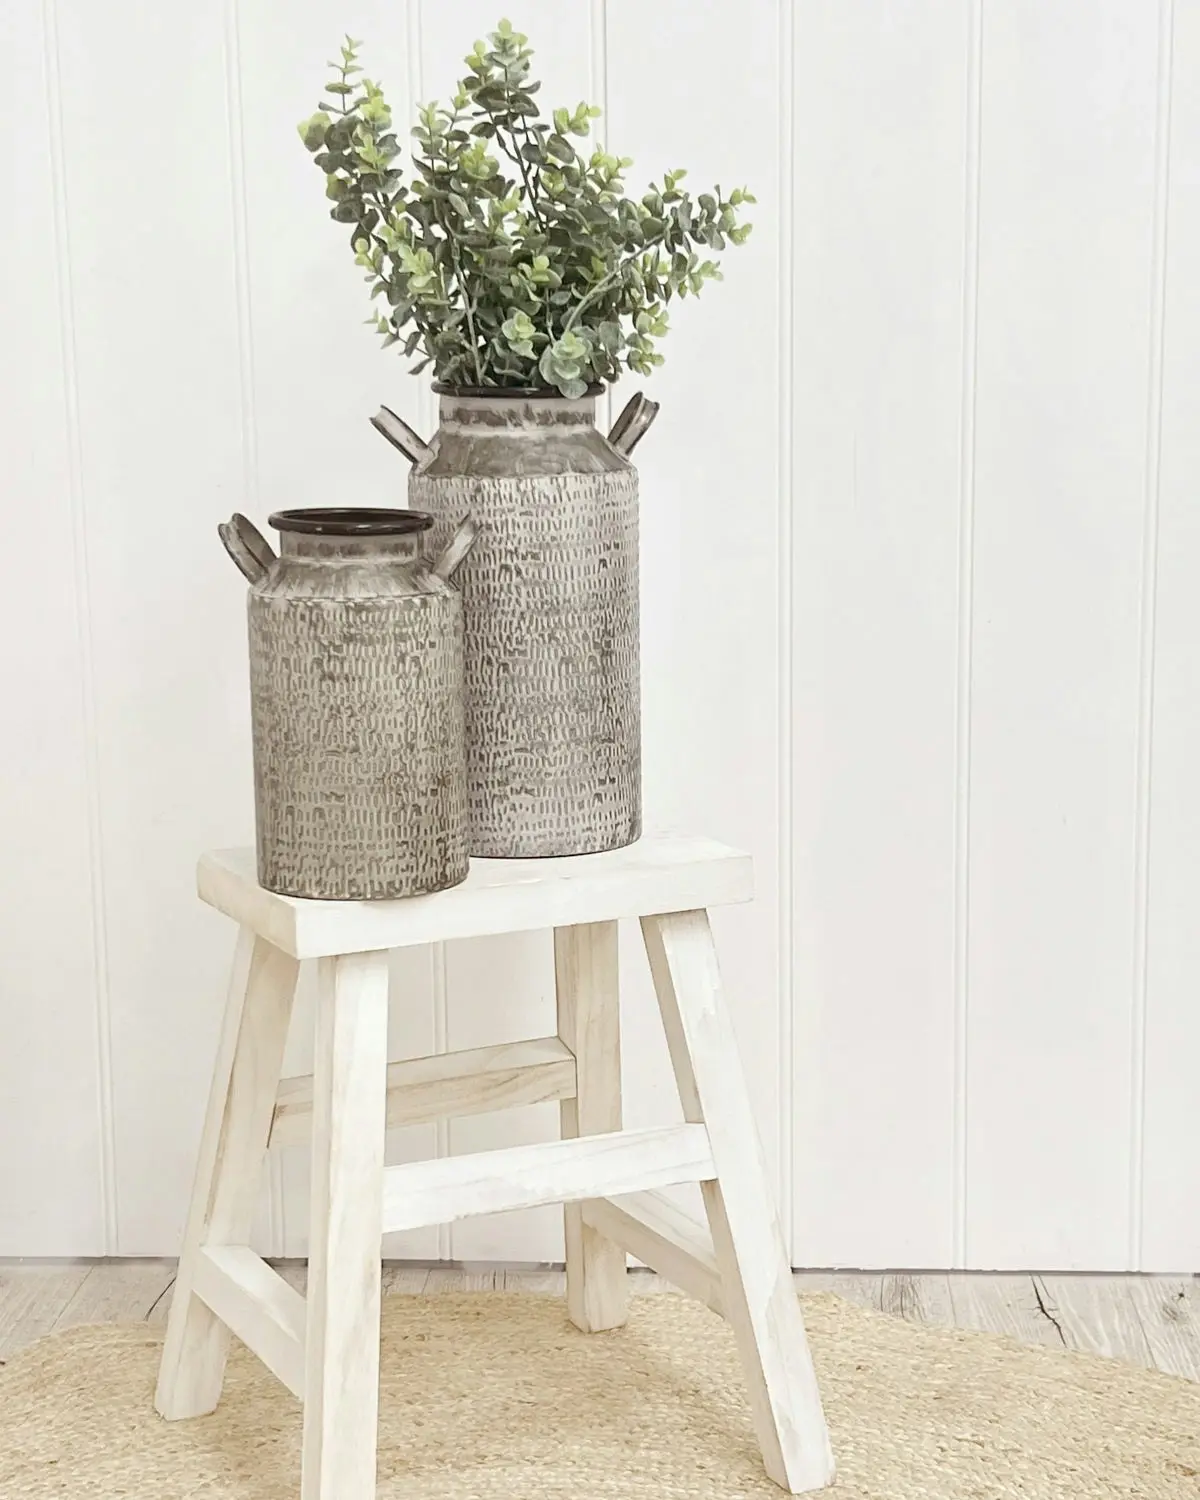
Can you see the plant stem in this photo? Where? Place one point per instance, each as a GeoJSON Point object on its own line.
{"type": "Point", "coordinates": [468, 305]}
{"type": "Point", "coordinates": [515, 154]}
{"type": "Point", "coordinates": [601, 286]}
{"type": "Point", "coordinates": [456, 263]}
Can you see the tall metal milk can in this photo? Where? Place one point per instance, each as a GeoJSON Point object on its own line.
{"type": "Point", "coordinates": [550, 606]}
{"type": "Point", "coordinates": [356, 691]}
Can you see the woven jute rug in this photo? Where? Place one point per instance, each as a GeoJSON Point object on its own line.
{"type": "Point", "coordinates": [497, 1397]}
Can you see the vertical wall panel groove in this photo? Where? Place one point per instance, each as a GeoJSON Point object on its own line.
{"type": "Point", "coordinates": [1169, 1190]}
{"type": "Point", "coordinates": [415, 27]}
{"type": "Point", "coordinates": [1147, 626]}
{"type": "Point", "coordinates": [598, 94]}
{"type": "Point", "coordinates": [238, 218]}
{"type": "Point", "coordinates": [1066, 228]}
{"type": "Point", "coordinates": [426, 422]}
{"type": "Point", "coordinates": [785, 730]}
{"type": "Point", "coordinates": [102, 1016]}
{"type": "Point", "coordinates": [437, 962]}
{"type": "Point", "coordinates": [247, 392]}
{"type": "Point", "coordinates": [880, 100]}
{"type": "Point", "coordinates": [966, 559]}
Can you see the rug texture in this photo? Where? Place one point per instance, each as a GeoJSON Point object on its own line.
{"type": "Point", "coordinates": [497, 1397]}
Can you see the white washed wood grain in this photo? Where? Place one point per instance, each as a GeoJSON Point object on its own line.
{"type": "Point", "coordinates": [265, 1312]}
{"type": "Point", "coordinates": [586, 983]}
{"type": "Point", "coordinates": [677, 1245]}
{"type": "Point", "coordinates": [341, 1347]}
{"type": "Point", "coordinates": [1096, 1313]}
{"type": "Point", "coordinates": [448, 1083]}
{"type": "Point", "coordinates": [228, 1171]}
{"type": "Point", "coordinates": [1007, 1304]}
{"type": "Point", "coordinates": [511, 1177]}
{"type": "Point", "coordinates": [33, 1296]}
{"type": "Point", "coordinates": [756, 1281]}
{"type": "Point", "coordinates": [1169, 1314]}
{"type": "Point", "coordinates": [129, 1291]}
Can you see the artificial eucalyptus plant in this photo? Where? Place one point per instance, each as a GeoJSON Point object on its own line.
{"type": "Point", "coordinates": [507, 257]}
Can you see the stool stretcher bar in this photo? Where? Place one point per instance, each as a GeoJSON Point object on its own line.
{"type": "Point", "coordinates": [665, 1237]}
{"type": "Point", "coordinates": [255, 1302]}
{"type": "Point", "coordinates": [448, 1084]}
{"type": "Point", "coordinates": [492, 1182]}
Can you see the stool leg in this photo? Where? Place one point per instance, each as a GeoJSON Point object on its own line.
{"type": "Point", "coordinates": [236, 1129]}
{"type": "Point", "coordinates": [756, 1278]}
{"type": "Point", "coordinates": [589, 1023]}
{"type": "Point", "coordinates": [341, 1384]}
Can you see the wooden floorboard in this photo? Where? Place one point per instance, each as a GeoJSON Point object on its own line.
{"type": "Point", "coordinates": [992, 1302]}
{"type": "Point", "coordinates": [1148, 1320]}
{"type": "Point", "coordinates": [32, 1299]}
{"type": "Point", "coordinates": [923, 1298]}
{"type": "Point", "coordinates": [124, 1291]}
{"type": "Point", "coordinates": [547, 1281]}
{"type": "Point", "coordinates": [1168, 1309]}
{"type": "Point", "coordinates": [1095, 1313]}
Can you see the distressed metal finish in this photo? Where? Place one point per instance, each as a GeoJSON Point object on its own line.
{"type": "Point", "coordinates": [357, 710]}
{"type": "Point", "coordinates": [550, 604]}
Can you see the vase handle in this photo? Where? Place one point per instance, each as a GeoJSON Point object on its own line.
{"type": "Point", "coordinates": [249, 563]}
{"type": "Point", "coordinates": [457, 548]}
{"type": "Point", "coordinates": [400, 435]}
{"type": "Point", "coordinates": [633, 424]}
{"type": "Point", "coordinates": [253, 540]}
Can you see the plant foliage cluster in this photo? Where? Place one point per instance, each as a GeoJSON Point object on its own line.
{"type": "Point", "coordinates": [508, 257]}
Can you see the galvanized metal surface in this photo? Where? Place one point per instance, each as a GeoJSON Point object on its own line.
{"type": "Point", "coordinates": [357, 710]}
{"type": "Point", "coordinates": [550, 607]}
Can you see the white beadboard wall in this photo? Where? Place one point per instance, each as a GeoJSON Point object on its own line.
{"type": "Point", "coordinates": [920, 536]}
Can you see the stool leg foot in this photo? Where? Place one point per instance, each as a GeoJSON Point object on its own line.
{"type": "Point", "coordinates": [341, 1394]}
{"type": "Point", "coordinates": [756, 1279]}
{"type": "Point", "coordinates": [589, 1023]}
{"type": "Point", "coordinates": [232, 1147]}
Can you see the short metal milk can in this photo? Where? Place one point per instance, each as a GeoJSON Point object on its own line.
{"type": "Point", "coordinates": [356, 690]}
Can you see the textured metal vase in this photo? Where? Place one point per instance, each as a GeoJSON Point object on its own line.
{"type": "Point", "coordinates": [356, 687]}
{"type": "Point", "coordinates": [550, 606]}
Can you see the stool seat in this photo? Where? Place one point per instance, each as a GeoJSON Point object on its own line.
{"type": "Point", "coordinates": [325, 1347]}
{"type": "Point", "coordinates": [660, 873]}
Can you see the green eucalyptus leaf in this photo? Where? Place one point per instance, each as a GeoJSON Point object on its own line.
{"type": "Point", "coordinates": [314, 131]}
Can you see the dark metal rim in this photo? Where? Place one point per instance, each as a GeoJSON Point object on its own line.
{"type": "Point", "coordinates": [346, 520]}
{"type": "Point", "coordinates": [511, 392]}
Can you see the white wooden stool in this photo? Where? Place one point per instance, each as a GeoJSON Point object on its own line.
{"type": "Point", "coordinates": [325, 1348]}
